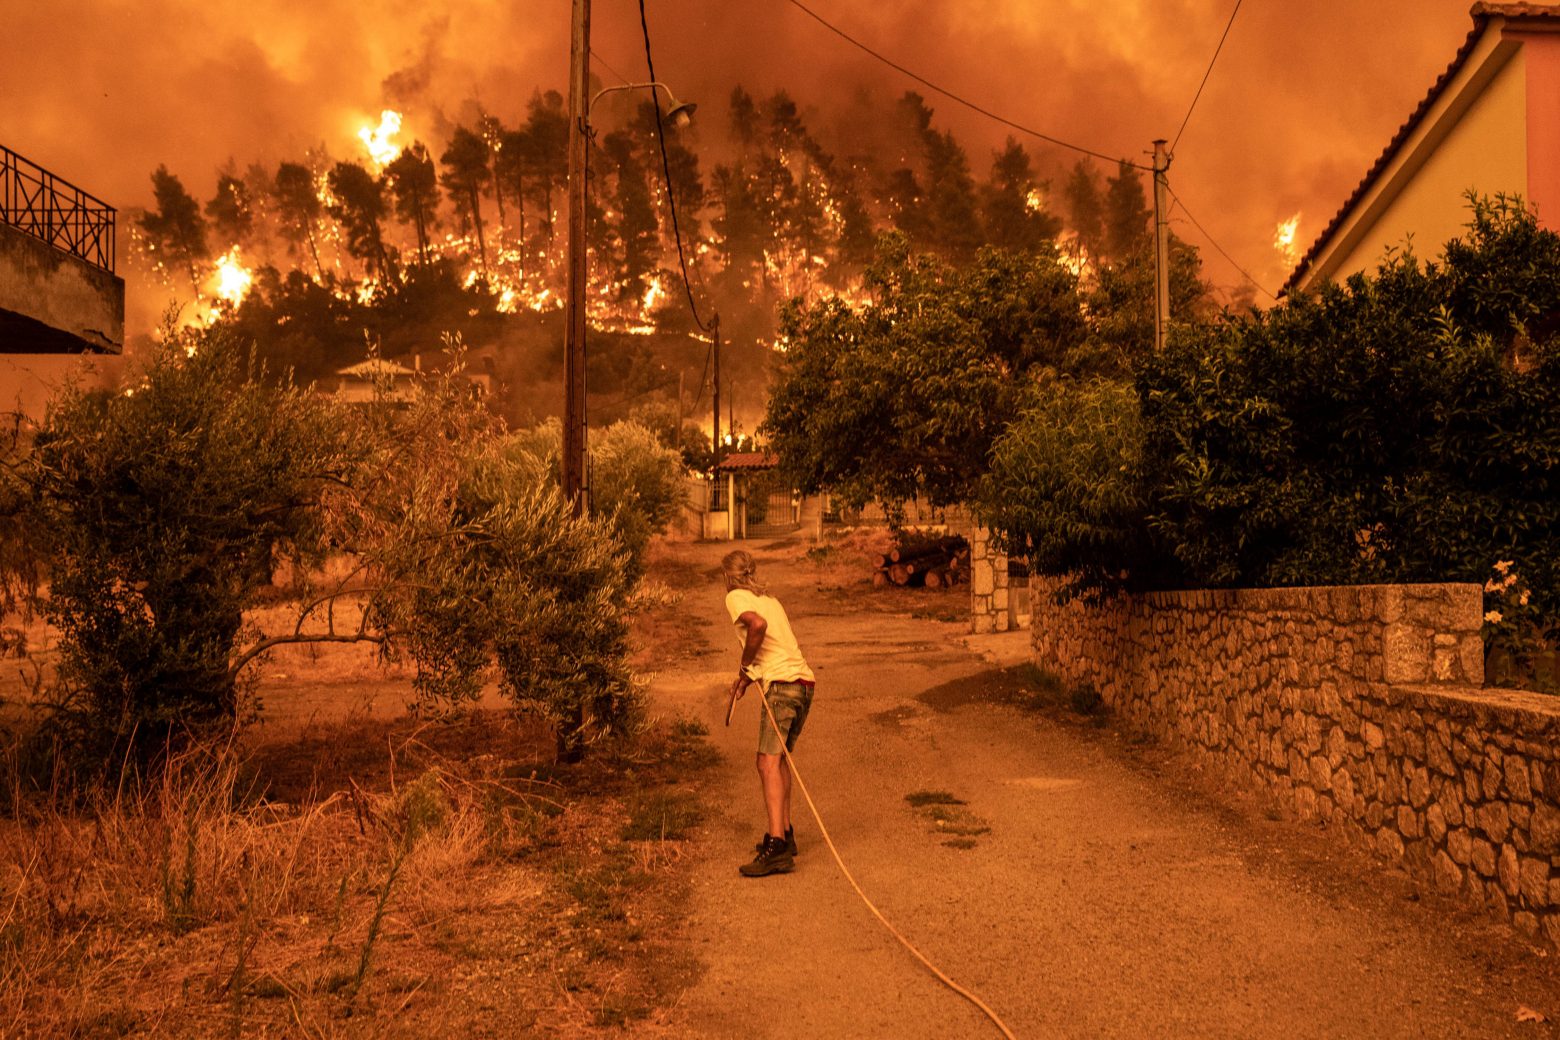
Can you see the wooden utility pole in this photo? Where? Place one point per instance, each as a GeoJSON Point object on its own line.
{"type": "Point", "coordinates": [574, 485]}
{"type": "Point", "coordinates": [715, 387]}
{"type": "Point", "coordinates": [1161, 246]}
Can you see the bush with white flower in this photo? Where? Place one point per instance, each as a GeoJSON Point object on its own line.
{"type": "Point", "coordinates": [1514, 632]}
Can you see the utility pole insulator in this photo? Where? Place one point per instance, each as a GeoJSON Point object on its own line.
{"type": "Point", "coordinates": [1161, 246]}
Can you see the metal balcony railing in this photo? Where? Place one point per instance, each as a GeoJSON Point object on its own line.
{"type": "Point", "coordinates": [52, 209]}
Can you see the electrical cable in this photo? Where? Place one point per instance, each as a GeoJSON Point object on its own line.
{"type": "Point", "coordinates": [842, 34]}
{"type": "Point", "coordinates": [1211, 241]}
{"type": "Point", "coordinates": [606, 65]}
{"type": "Point", "coordinates": [1193, 106]}
{"type": "Point", "coordinates": [835, 852]}
{"type": "Point", "coordinates": [666, 172]}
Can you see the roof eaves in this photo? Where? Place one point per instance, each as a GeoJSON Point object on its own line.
{"type": "Point", "coordinates": [1481, 13]}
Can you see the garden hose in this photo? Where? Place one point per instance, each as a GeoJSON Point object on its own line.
{"type": "Point", "coordinates": [824, 831]}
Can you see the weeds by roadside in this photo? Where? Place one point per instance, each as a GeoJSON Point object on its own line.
{"type": "Point", "coordinates": [459, 879]}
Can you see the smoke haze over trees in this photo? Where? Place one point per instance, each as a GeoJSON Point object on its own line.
{"type": "Point", "coordinates": [1303, 98]}
{"type": "Point", "coordinates": [323, 259]}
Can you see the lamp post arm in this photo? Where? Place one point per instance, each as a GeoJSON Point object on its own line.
{"type": "Point", "coordinates": [628, 86]}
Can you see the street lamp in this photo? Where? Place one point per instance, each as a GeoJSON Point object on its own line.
{"type": "Point", "coordinates": [679, 114]}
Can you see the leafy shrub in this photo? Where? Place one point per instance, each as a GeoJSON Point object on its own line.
{"type": "Point", "coordinates": [1403, 426]}
{"type": "Point", "coordinates": [159, 513]}
{"type": "Point", "coordinates": [1065, 485]}
{"type": "Point", "coordinates": [476, 560]}
{"type": "Point", "coordinates": [903, 398]}
{"type": "Point", "coordinates": [636, 482]}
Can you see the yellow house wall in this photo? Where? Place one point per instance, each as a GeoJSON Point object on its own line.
{"type": "Point", "coordinates": [1486, 151]}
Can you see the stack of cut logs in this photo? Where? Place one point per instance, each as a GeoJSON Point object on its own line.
{"type": "Point", "coordinates": [925, 560]}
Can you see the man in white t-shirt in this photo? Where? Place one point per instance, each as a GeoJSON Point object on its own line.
{"type": "Point", "coordinates": [771, 658]}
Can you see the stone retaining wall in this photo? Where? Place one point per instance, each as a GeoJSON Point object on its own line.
{"type": "Point", "coordinates": [1359, 706]}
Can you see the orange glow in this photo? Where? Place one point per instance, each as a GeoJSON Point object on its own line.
{"type": "Point", "coordinates": [233, 279]}
{"type": "Point", "coordinates": [1285, 240]}
{"type": "Point", "coordinates": [380, 141]}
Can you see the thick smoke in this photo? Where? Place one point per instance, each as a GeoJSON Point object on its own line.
{"type": "Point", "coordinates": [1302, 99]}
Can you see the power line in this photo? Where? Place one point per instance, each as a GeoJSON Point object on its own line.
{"type": "Point", "coordinates": [1211, 241]}
{"type": "Point", "coordinates": [848, 38]}
{"type": "Point", "coordinates": [606, 65]}
{"type": "Point", "coordinates": [666, 172]}
{"type": "Point", "coordinates": [1193, 106]}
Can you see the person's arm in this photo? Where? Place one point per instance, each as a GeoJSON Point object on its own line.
{"type": "Point", "coordinates": [756, 627]}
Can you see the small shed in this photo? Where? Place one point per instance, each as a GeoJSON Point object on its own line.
{"type": "Point", "coordinates": [356, 384]}
{"type": "Point", "coordinates": [757, 501]}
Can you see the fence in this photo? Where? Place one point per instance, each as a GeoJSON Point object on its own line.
{"type": "Point", "coordinates": [54, 210]}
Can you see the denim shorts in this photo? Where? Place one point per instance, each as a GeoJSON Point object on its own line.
{"type": "Point", "coordinates": [789, 702]}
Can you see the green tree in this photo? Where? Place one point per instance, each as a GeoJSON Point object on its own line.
{"type": "Point", "coordinates": [1121, 301]}
{"type": "Point", "coordinates": [414, 187]}
{"type": "Point", "coordinates": [466, 176]}
{"type": "Point", "coordinates": [298, 207]}
{"type": "Point", "coordinates": [1402, 426]}
{"type": "Point", "coordinates": [1012, 219]}
{"type": "Point", "coordinates": [904, 398]}
{"type": "Point", "coordinates": [230, 212]}
{"type": "Point", "coordinates": [1066, 489]}
{"type": "Point", "coordinates": [1126, 212]}
{"type": "Point", "coordinates": [175, 229]}
{"type": "Point", "coordinates": [358, 205]}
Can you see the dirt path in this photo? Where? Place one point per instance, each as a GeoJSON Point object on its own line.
{"type": "Point", "coordinates": [1107, 899]}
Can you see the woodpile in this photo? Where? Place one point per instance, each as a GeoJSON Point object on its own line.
{"type": "Point", "coordinates": [929, 561]}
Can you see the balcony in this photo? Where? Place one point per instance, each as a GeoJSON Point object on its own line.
{"type": "Point", "coordinates": [59, 294]}
{"type": "Point", "coordinates": [55, 211]}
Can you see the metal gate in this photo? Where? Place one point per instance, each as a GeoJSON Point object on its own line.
{"type": "Point", "coordinates": [771, 507]}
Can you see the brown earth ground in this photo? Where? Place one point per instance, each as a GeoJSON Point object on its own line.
{"type": "Point", "coordinates": [1084, 882]}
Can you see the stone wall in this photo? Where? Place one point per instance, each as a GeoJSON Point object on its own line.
{"type": "Point", "coordinates": [988, 583]}
{"type": "Point", "coordinates": [1358, 706]}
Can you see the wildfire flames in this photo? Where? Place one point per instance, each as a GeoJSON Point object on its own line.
{"type": "Point", "coordinates": [379, 141]}
{"type": "Point", "coordinates": [1285, 240]}
{"type": "Point", "coordinates": [233, 279]}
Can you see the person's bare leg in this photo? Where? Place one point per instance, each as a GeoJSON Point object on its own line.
{"type": "Point", "coordinates": [785, 780]}
{"type": "Point", "coordinates": [774, 783]}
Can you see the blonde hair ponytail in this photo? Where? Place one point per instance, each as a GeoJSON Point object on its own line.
{"type": "Point", "coordinates": [742, 572]}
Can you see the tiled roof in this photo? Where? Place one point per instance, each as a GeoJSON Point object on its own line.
{"type": "Point", "coordinates": [1481, 14]}
{"type": "Point", "coordinates": [749, 460]}
{"type": "Point", "coordinates": [375, 367]}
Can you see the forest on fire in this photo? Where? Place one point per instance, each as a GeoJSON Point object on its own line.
{"type": "Point", "coordinates": [319, 260]}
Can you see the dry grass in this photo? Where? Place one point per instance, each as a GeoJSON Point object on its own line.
{"type": "Point", "coordinates": [420, 881]}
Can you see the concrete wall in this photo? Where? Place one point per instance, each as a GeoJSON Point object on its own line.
{"type": "Point", "coordinates": [1357, 706]}
{"type": "Point", "coordinates": [46, 285]}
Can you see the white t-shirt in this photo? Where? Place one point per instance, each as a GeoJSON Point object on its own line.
{"type": "Point", "coordinates": [779, 658]}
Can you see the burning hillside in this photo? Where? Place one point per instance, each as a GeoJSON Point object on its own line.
{"type": "Point", "coordinates": [418, 232]}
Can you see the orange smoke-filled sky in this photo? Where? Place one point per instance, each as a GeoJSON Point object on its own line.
{"type": "Point", "coordinates": [1302, 99]}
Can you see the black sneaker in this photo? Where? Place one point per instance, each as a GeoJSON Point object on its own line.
{"type": "Point", "coordinates": [774, 857]}
{"type": "Point", "coordinates": [790, 841]}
